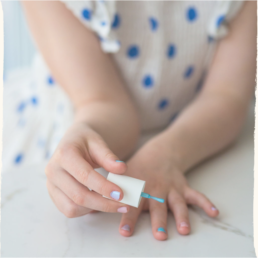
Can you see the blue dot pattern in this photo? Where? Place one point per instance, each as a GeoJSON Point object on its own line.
{"type": "Point", "coordinates": [220, 20]}
{"type": "Point", "coordinates": [163, 104]}
{"type": "Point", "coordinates": [18, 159]}
{"type": "Point", "coordinates": [171, 51]}
{"type": "Point", "coordinates": [21, 106]}
{"type": "Point", "coordinates": [153, 24]}
{"type": "Point", "coordinates": [191, 14]}
{"type": "Point", "coordinates": [34, 101]}
{"type": "Point", "coordinates": [148, 81]}
{"type": "Point", "coordinates": [86, 14]}
{"type": "Point", "coordinates": [50, 80]}
{"type": "Point", "coordinates": [133, 51]}
{"type": "Point", "coordinates": [116, 21]}
{"type": "Point", "coordinates": [189, 71]}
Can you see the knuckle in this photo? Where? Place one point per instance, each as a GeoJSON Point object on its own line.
{"type": "Point", "coordinates": [178, 200]}
{"type": "Point", "coordinates": [78, 198]}
{"type": "Point", "coordinates": [70, 211]}
{"type": "Point", "coordinates": [64, 151]}
{"type": "Point", "coordinates": [49, 170]}
{"type": "Point", "coordinates": [109, 154]}
{"type": "Point", "coordinates": [107, 207]}
{"type": "Point", "coordinates": [83, 176]}
{"type": "Point", "coordinates": [103, 188]}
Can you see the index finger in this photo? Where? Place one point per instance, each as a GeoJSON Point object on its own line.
{"type": "Point", "coordinates": [73, 162]}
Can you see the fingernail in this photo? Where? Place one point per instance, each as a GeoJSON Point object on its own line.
{"type": "Point", "coordinates": [184, 225]}
{"type": "Point", "coordinates": [122, 210]}
{"type": "Point", "coordinates": [162, 229]}
{"type": "Point", "coordinates": [115, 195]}
{"type": "Point", "coordinates": [213, 208]}
{"type": "Point", "coordinates": [126, 227]}
{"type": "Point", "coordinates": [119, 161]}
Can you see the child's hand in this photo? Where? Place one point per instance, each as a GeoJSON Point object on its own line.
{"type": "Point", "coordinates": [71, 171]}
{"type": "Point", "coordinates": [153, 164]}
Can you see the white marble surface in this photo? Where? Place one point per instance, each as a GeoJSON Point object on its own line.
{"type": "Point", "coordinates": [31, 226]}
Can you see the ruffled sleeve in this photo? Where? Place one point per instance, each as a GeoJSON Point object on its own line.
{"type": "Point", "coordinates": [100, 17]}
{"type": "Point", "coordinates": [223, 13]}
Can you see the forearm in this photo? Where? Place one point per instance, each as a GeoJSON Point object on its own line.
{"type": "Point", "coordinates": [214, 119]}
{"type": "Point", "coordinates": [77, 63]}
{"type": "Point", "coordinates": [206, 127]}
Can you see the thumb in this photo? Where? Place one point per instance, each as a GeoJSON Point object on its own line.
{"type": "Point", "coordinates": [104, 157]}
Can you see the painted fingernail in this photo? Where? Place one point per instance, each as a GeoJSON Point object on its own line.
{"type": "Point", "coordinates": [162, 229]}
{"type": "Point", "coordinates": [122, 210]}
{"type": "Point", "coordinates": [126, 227]}
{"type": "Point", "coordinates": [213, 208]}
{"type": "Point", "coordinates": [115, 195]}
{"type": "Point", "coordinates": [119, 161]}
{"type": "Point", "coordinates": [184, 225]}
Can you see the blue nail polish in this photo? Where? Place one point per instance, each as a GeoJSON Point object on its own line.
{"type": "Point", "coordinates": [119, 161]}
{"type": "Point", "coordinates": [126, 227]}
{"type": "Point", "coordinates": [115, 195]}
{"type": "Point", "coordinates": [162, 229]}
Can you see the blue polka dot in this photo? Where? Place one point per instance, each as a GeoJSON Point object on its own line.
{"type": "Point", "coordinates": [21, 106]}
{"type": "Point", "coordinates": [86, 14]}
{"type": "Point", "coordinates": [147, 81]}
{"type": "Point", "coordinates": [153, 24]}
{"type": "Point", "coordinates": [18, 159]}
{"type": "Point", "coordinates": [116, 21]}
{"type": "Point", "coordinates": [133, 51]}
{"type": "Point", "coordinates": [34, 101]}
{"type": "Point", "coordinates": [50, 80]}
{"type": "Point", "coordinates": [103, 23]}
{"type": "Point", "coordinates": [171, 51]}
{"type": "Point", "coordinates": [220, 20]}
{"type": "Point", "coordinates": [163, 104]}
{"type": "Point", "coordinates": [191, 14]}
{"type": "Point", "coordinates": [188, 72]}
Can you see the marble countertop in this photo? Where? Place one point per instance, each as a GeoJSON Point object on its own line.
{"type": "Point", "coordinates": [31, 226]}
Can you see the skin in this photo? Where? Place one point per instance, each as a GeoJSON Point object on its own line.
{"type": "Point", "coordinates": [106, 124]}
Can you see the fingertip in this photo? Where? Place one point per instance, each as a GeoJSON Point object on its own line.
{"type": "Point", "coordinates": [117, 194]}
{"type": "Point", "coordinates": [123, 209]}
{"type": "Point", "coordinates": [160, 234]}
{"type": "Point", "coordinates": [213, 211]}
{"type": "Point", "coordinates": [183, 230]}
{"type": "Point", "coordinates": [115, 166]}
{"type": "Point", "coordinates": [125, 230]}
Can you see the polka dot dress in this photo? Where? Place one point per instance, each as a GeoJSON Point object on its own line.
{"type": "Point", "coordinates": [162, 49]}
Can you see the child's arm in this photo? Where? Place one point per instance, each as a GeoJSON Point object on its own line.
{"type": "Point", "coordinates": [208, 124]}
{"type": "Point", "coordinates": [87, 74]}
{"type": "Point", "coordinates": [214, 119]}
{"type": "Point", "coordinates": [106, 123]}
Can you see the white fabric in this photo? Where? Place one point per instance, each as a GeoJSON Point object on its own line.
{"type": "Point", "coordinates": [162, 50]}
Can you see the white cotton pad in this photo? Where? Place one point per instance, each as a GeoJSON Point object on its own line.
{"type": "Point", "coordinates": [131, 187]}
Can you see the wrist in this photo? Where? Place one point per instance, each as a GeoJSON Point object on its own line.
{"type": "Point", "coordinates": [163, 143]}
